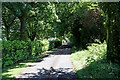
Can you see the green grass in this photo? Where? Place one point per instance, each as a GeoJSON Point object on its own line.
{"type": "Point", "coordinates": [15, 70]}
{"type": "Point", "coordinates": [92, 63]}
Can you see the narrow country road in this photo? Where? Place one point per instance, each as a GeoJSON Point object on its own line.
{"type": "Point", "coordinates": [56, 65]}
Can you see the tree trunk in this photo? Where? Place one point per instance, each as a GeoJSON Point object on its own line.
{"type": "Point", "coordinates": [33, 36]}
{"type": "Point", "coordinates": [8, 33]}
{"type": "Point", "coordinates": [116, 39]}
{"type": "Point", "coordinates": [109, 44]}
{"type": "Point", "coordinates": [113, 39]}
{"type": "Point", "coordinates": [22, 29]}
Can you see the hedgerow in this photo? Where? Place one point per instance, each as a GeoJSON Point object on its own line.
{"type": "Point", "coordinates": [15, 51]}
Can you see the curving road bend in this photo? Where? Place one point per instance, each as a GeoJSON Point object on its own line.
{"type": "Point", "coordinates": [57, 65]}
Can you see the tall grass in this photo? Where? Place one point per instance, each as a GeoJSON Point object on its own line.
{"type": "Point", "coordinates": [92, 63]}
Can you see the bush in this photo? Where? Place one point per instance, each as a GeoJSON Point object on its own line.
{"type": "Point", "coordinates": [92, 63]}
{"type": "Point", "coordinates": [98, 51]}
{"type": "Point", "coordinates": [15, 51]}
{"type": "Point", "coordinates": [54, 44]}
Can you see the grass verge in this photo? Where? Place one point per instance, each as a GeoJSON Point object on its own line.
{"type": "Point", "coordinates": [15, 70]}
{"type": "Point", "coordinates": [92, 63]}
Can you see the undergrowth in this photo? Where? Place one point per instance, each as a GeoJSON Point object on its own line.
{"type": "Point", "coordinates": [92, 63]}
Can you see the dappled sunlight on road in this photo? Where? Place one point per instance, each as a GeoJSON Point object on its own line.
{"type": "Point", "coordinates": [56, 65]}
{"type": "Point", "coordinates": [51, 73]}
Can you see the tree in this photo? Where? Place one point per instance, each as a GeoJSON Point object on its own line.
{"type": "Point", "coordinates": [113, 30]}
{"type": "Point", "coordinates": [81, 22]}
{"type": "Point", "coordinates": [21, 11]}
{"type": "Point", "coordinates": [8, 19]}
{"type": "Point", "coordinates": [40, 21]}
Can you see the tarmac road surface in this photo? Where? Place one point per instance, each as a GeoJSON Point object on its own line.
{"type": "Point", "coordinates": [57, 65]}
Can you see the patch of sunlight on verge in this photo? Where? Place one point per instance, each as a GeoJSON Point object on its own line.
{"type": "Point", "coordinates": [79, 59]}
{"type": "Point", "coordinates": [14, 72]}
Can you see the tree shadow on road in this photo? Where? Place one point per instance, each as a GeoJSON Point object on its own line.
{"type": "Point", "coordinates": [60, 73]}
{"type": "Point", "coordinates": [65, 51]}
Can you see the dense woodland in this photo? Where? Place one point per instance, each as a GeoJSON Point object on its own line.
{"type": "Point", "coordinates": [78, 22]}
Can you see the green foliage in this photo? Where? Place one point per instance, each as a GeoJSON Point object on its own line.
{"type": "Point", "coordinates": [92, 63]}
{"type": "Point", "coordinates": [97, 51]}
{"type": "Point", "coordinates": [80, 22]}
{"type": "Point", "coordinates": [45, 45]}
{"type": "Point", "coordinates": [113, 29]}
{"type": "Point", "coordinates": [19, 8]}
{"type": "Point", "coordinates": [16, 69]}
{"type": "Point", "coordinates": [15, 51]}
{"type": "Point", "coordinates": [54, 44]}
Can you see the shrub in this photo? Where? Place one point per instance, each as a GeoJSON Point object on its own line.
{"type": "Point", "coordinates": [92, 63]}
{"type": "Point", "coordinates": [97, 51]}
{"type": "Point", "coordinates": [15, 51]}
{"type": "Point", "coordinates": [54, 44]}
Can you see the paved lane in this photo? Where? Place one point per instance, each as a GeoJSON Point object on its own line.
{"type": "Point", "coordinates": [56, 65]}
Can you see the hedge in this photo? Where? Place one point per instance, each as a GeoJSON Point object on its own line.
{"type": "Point", "coordinates": [15, 51]}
